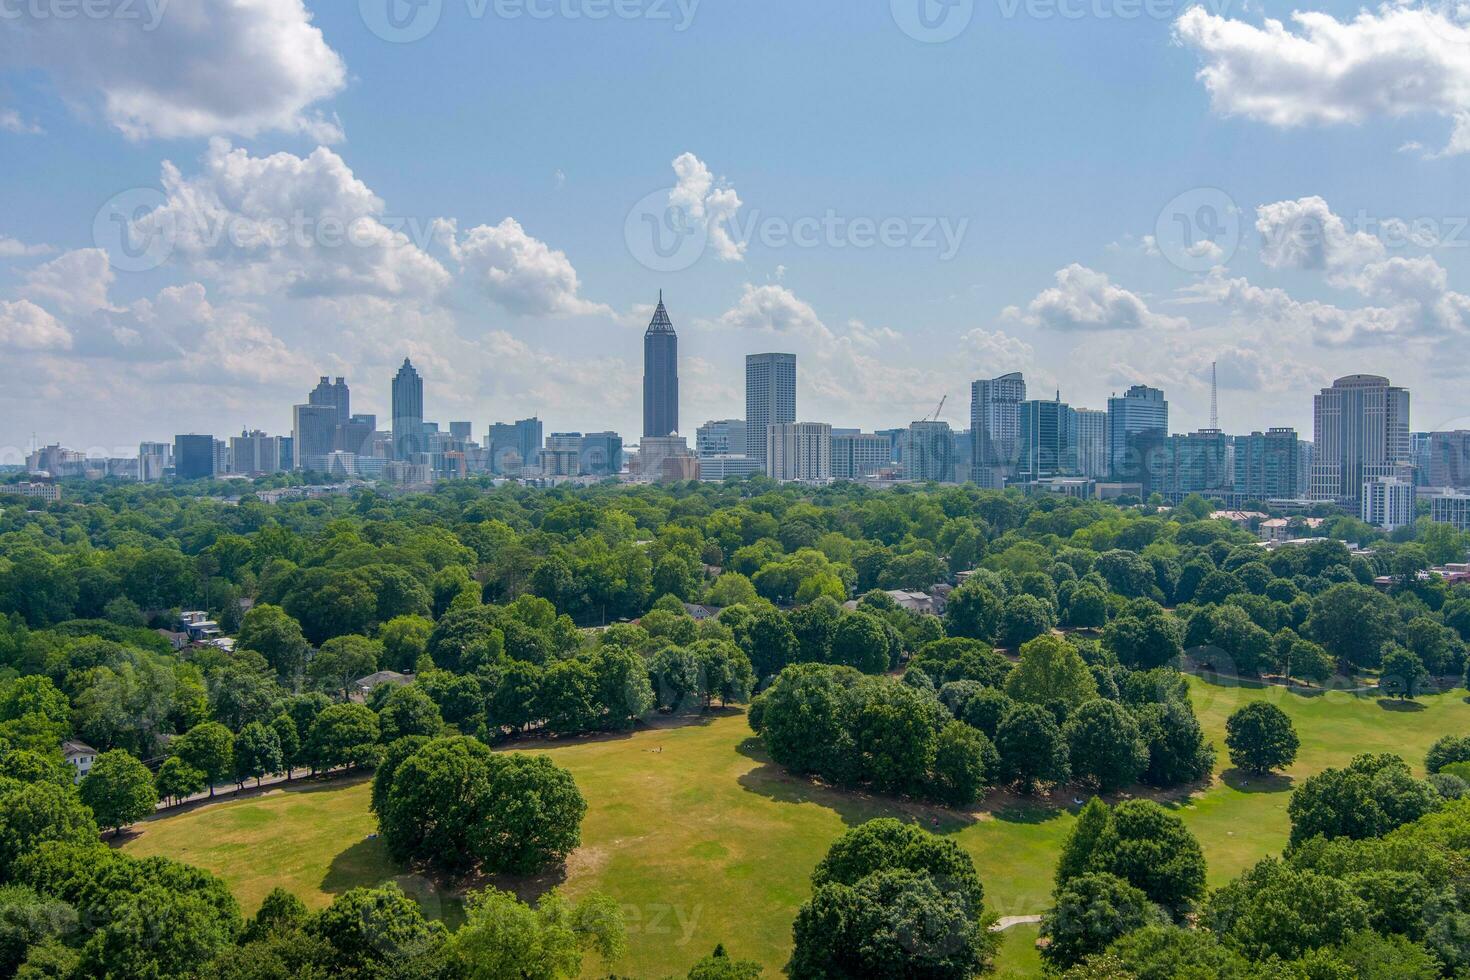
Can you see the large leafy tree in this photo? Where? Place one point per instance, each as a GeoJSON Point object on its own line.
{"type": "Point", "coordinates": [1105, 746]}
{"type": "Point", "coordinates": [1261, 737]}
{"type": "Point", "coordinates": [271, 632]}
{"type": "Point", "coordinates": [504, 937]}
{"type": "Point", "coordinates": [1051, 669]}
{"type": "Point", "coordinates": [1032, 749]}
{"type": "Point", "coordinates": [1091, 911]}
{"type": "Point", "coordinates": [1369, 797]}
{"type": "Point", "coordinates": [343, 735]}
{"type": "Point", "coordinates": [209, 748]}
{"type": "Point", "coordinates": [118, 789]}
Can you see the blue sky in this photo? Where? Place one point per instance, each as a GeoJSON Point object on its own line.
{"type": "Point", "coordinates": [500, 169]}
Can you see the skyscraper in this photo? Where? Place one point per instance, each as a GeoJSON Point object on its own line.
{"type": "Point", "coordinates": [1092, 443]}
{"type": "Point", "coordinates": [800, 451]}
{"type": "Point", "coordinates": [1361, 433]}
{"type": "Point", "coordinates": [313, 433]}
{"type": "Point", "coordinates": [193, 457]}
{"type": "Point", "coordinates": [408, 413]}
{"type": "Point", "coordinates": [1047, 440]}
{"type": "Point", "coordinates": [660, 374]}
{"type": "Point", "coordinates": [928, 452]}
{"type": "Point", "coordinates": [1138, 424]}
{"type": "Point", "coordinates": [723, 437]}
{"type": "Point", "coordinates": [1267, 465]}
{"type": "Point", "coordinates": [995, 407]}
{"type": "Point", "coordinates": [770, 398]}
{"type": "Point", "coordinates": [335, 394]}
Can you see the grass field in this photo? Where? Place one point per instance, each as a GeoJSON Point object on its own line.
{"type": "Point", "coordinates": [703, 841]}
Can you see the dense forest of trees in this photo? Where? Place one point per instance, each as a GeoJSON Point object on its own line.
{"type": "Point", "coordinates": [519, 613]}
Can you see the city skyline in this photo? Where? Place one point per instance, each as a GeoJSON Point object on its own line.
{"type": "Point", "coordinates": [515, 270]}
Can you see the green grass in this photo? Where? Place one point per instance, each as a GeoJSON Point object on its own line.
{"type": "Point", "coordinates": [704, 841]}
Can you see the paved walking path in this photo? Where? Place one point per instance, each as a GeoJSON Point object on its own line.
{"type": "Point", "coordinates": [1006, 921]}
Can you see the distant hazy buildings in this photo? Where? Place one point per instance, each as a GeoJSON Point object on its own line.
{"type": "Point", "coordinates": [713, 469]}
{"type": "Point", "coordinates": [928, 452]}
{"type": "Point", "coordinates": [602, 454]}
{"type": "Point", "coordinates": [1451, 508]}
{"type": "Point", "coordinates": [653, 450]}
{"type": "Point", "coordinates": [724, 437]}
{"type": "Point", "coordinates": [1197, 462]}
{"type": "Point", "coordinates": [334, 394]}
{"type": "Point", "coordinates": [1361, 433]}
{"type": "Point", "coordinates": [799, 451]}
{"type": "Point", "coordinates": [513, 445]}
{"type": "Point", "coordinates": [313, 432]}
{"type": "Point", "coordinates": [153, 459]}
{"type": "Point", "coordinates": [770, 399]}
{"type": "Point", "coordinates": [660, 375]}
{"type": "Point", "coordinates": [193, 457]}
{"type": "Point", "coordinates": [857, 455]}
{"type": "Point", "coordinates": [253, 452]}
{"type": "Point", "coordinates": [408, 413]}
{"type": "Point", "coordinates": [1268, 464]}
{"type": "Point", "coordinates": [1138, 424]}
{"type": "Point", "coordinates": [1447, 462]}
{"type": "Point", "coordinates": [995, 426]}
{"type": "Point", "coordinates": [1090, 431]}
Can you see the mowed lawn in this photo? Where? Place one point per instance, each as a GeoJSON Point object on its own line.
{"type": "Point", "coordinates": [703, 841]}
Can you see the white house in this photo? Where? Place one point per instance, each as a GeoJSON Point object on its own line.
{"type": "Point", "coordinates": [80, 755]}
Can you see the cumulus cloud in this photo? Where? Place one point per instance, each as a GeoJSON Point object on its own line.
{"type": "Point", "coordinates": [173, 70]}
{"type": "Point", "coordinates": [25, 326]}
{"type": "Point", "coordinates": [775, 309]}
{"type": "Point", "coordinates": [1084, 299]}
{"type": "Point", "coordinates": [303, 225]}
{"type": "Point", "coordinates": [11, 122]}
{"type": "Point", "coordinates": [1305, 234]}
{"type": "Point", "coordinates": [522, 273]}
{"type": "Point", "coordinates": [707, 202]}
{"type": "Point", "coordinates": [75, 282]}
{"type": "Point", "coordinates": [870, 337]}
{"type": "Point", "coordinates": [11, 248]}
{"type": "Point", "coordinates": [996, 352]}
{"type": "Point", "coordinates": [1394, 62]}
{"type": "Point", "coordinates": [1325, 322]}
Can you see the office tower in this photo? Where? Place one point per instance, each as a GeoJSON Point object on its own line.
{"type": "Point", "coordinates": [964, 454]}
{"type": "Point", "coordinates": [221, 457]}
{"type": "Point", "coordinates": [1197, 462]}
{"type": "Point", "coordinates": [715, 469]}
{"type": "Point", "coordinates": [770, 399]}
{"type": "Point", "coordinates": [660, 374]}
{"type": "Point", "coordinates": [153, 459]}
{"type": "Point", "coordinates": [995, 419]}
{"type": "Point", "coordinates": [334, 393]}
{"type": "Point", "coordinates": [856, 455]}
{"type": "Point", "coordinates": [461, 432]}
{"type": "Point", "coordinates": [313, 432]}
{"type": "Point", "coordinates": [1361, 433]}
{"type": "Point", "coordinates": [1448, 459]}
{"type": "Point", "coordinates": [562, 455]}
{"type": "Point", "coordinates": [564, 441]}
{"type": "Point", "coordinates": [252, 451]}
{"type": "Point", "coordinates": [725, 437]}
{"type": "Point", "coordinates": [1451, 508]}
{"type": "Point", "coordinates": [1138, 423]}
{"type": "Point", "coordinates": [1388, 502]}
{"type": "Point", "coordinates": [653, 450]}
{"type": "Point", "coordinates": [928, 452]}
{"type": "Point", "coordinates": [1092, 442]}
{"type": "Point", "coordinates": [1268, 464]}
{"type": "Point", "coordinates": [1419, 454]}
{"type": "Point", "coordinates": [799, 451]}
{"type": "Point", "coordinates": [358, 434]}
{"type": "Point", "coordinates": [1045, 440]}
{"type": "Point", "coordinates": [193, 457]}
{"type": "Point", "coordinates": [513, 445]}
{"type": "Point", "coordinates": [408, 413]}
{"type": "Point", "coordinates": [602, 454]}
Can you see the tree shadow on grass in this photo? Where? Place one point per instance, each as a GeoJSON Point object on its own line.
{"type": "Point", "coordinates": [1254, 782]}
{"type": "Point", "coordinates": [853, 806]}
{"type": "Point", "coordinates": [659, 722]}
{"type": "Point", "coordinates": [1396, 704]}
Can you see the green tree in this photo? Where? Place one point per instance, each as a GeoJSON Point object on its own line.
{"type": "Point", "coordinates": [34, 714]}
{"type": "Point", "coordinates": [860, 641]}
{"type": "Point", "coordinates": [1402, 674]}
{"type": "Point", "coordinates": [1024, 618]}
{"type": "Point", "coordinates": [720, 965]}
{"type": "Point", "coordinates": [1105, 746]}
{"type": "Point", "coordinates": [33, 813]}
{"type": "Point", "coordinates": [343, 735]}
{"type": "Point", "coordinates": [257, 752]}
{"type": "Point", "coordinates": [974, 611]}
{"type": "Point", "coordinates": [1143, 844]}
{"type": "Point", "coordinates": [1051, 669]}
{"type": "Point", "coordinates": [341, 661]}
{"type": "Point", "coordinates": [1369, 797]}
{"type": "Point", "coordinates": [376, 932]}
{"type": "Point", "coordinates": [177, 780]}
{"type": "Point", "coordinates": [269, 631]}
{"type": "Point", "coordinates": [405, 639]}
{"type": "Point", "coordinates": [1353, 622]}
{"type": "Point", "coordinates": [407, 710]}
{"type": "Point", "coordinates": [1446, 750]}
{"type": "Point", "coordinates": [1032, 749]}
{"type": "Point", "coordinates": [209, 748]}
{"type": "Point", "coordinates": [1276, 910]}
{"type": "Point", "coordinates": [504, 937]}
{"type": "Point", "coordinates": [118, 790]}
{"type": "Point", "coordinates": [1091, 911]}
{"type": "Point", "coordinates": [1144, 642]}
{"type": "Point", "coordinates": [965, 764]}
{"type": "Point", "coordinates": [1261, 738]}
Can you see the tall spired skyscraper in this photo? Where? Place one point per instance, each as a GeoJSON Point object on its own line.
{"type": "Point", "coordinates": [660, 374]}
{"type": "Point", "coordinates": [408, 412]}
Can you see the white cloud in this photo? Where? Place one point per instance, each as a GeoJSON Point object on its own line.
{"type": "Point", "coordinates": [187, 69]}
{"type": "Point", "coordinates": [522, 273]}
{"type": "Point", "coordinates": [25, 326]}
{"type": "Point", "coordinates": [775, 309]}
{"type": "Point", "coordinates": [1305, 234]}
{"type": "Point", "coordinates": [1084, 299]}
{"type": "Point", "coordinates": [75, 282]}
{"type": "Point", "coordinates": [11, 248]}
{"type": "Point", "coordinates": [303, 225]}
{"type": "Point", "coordinates": [871, 337]}
{"type": "Point", "coordinates": [1308, 319]}
{"type": "Point", "coordinates": [707, 202]}
{"type": "Point", "coordinates": [1395, 62]}
{"type": "Point", "coordinates": [11, 122]}
{"type": "Point", "coordinates": [996, 352]}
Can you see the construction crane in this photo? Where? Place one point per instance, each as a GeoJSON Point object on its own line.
{"type": "Point", "coordinates": [935, 416]}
